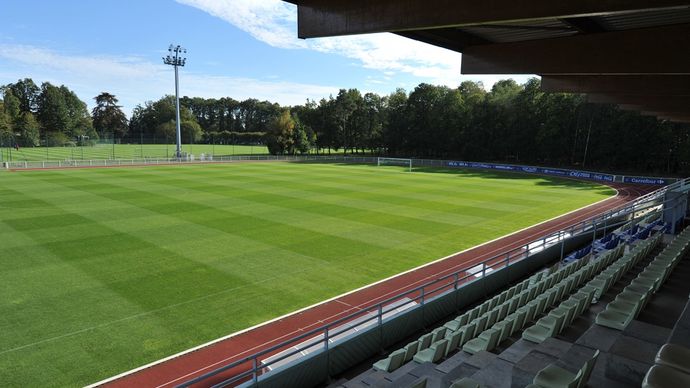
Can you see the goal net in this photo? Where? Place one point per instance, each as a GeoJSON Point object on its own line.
{"type": "Point", "coordinates": [395, 162]}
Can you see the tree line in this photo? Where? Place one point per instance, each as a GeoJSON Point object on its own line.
{"type": "Point", "coordinates": [511, 122]}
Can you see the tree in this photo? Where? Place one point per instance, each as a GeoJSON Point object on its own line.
{"type": "Point", "coordinates": [280, 137]}
{"type": "Point", "coordinates": [395, 134]}
{"type": "Point", "coordinates": [303, 137]}
{"type": "Point", "coordinates": [28, 128]}
{"type": "Point", "coordinates": [11, 105]}
{"type": "Point", "coordinates": [108, 117]}
{"type": "Point", "coordinates": [79, 119]}
{"type": "Point", "coordinates": [28, 94]}
{"type": "Point", "coordinates": [158, 119]}
{"type": "Point", "coordinates": [5, 127]}
{"type": "Point", "coordinates": [52, 109]}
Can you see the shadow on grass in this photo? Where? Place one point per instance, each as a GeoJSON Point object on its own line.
{"type": "Point", "coordinates": [541, 180]}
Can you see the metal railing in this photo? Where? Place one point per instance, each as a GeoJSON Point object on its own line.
{"type": "Point", "coordinates": [249, 368]}
{"type": "Point", "coordinates": [190, 160]}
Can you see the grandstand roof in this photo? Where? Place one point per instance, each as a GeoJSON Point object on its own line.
{"type": "Point", "coordinates": [635, 53]}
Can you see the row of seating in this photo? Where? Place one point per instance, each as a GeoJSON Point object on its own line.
{"type": "Point", "coordinates": [567, 279]}
{"type": "Point", "coordinates": [529, 302]}
{"type": "Point", "coordinates": [629, 302]}
{"type": "Point", "coordinates": [433, 346]}
{"type": "Point", "coordinates": [602, 282]}
{"type": "Point", "coordinates": [562, 316]}
{"type": "Point", "coordinates": [488, 324]}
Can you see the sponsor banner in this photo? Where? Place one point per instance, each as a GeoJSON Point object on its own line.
{"type": "Point", "coordinates": [535, 170]}
{"type": "Point", "coordinates": [645, 180]}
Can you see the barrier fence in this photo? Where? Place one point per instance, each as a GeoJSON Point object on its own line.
{"type": "Point", "coordinates": [250, 368]}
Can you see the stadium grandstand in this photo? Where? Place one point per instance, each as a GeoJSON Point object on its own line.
{"type": "Point", "coordinates": [598, 299]}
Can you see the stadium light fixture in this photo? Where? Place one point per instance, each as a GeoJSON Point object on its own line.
{"type": "Point", "coordinates": [176, 59]}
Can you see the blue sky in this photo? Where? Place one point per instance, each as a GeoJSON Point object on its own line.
{"type": "Point", "coordinates": [236, 48]}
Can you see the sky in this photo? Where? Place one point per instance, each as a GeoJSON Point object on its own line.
{"type": "Point", "coordinates": [235, 48]}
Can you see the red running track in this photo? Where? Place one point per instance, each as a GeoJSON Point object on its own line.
{"type": "Point", "coordinates": [184, 367]}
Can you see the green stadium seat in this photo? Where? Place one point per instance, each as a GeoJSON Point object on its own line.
{"type": "Point", "coordinates": [675, 356]}
{"type": "Point", "coordinates": [484, 307]}
{"type": "Point", "coordinates": [434, 353]}
{"type": "Point", "coordinates": [452, 325]}
{"type": "Point", "coordinates": [502, 297]}
{"type": "Point", "coordinates": [506, 327]}
{"type": "Point", "coordinates": [487, 340]}
{"type": "Point", "coordinates": [410, 350]}
{"type": "Point", "coordinates": [614, 319]}
{"type": "Point", "coordinates": [468, 332]}
{"type": "Point", "coordinates": [514, 303]}
{"type": "Point", "coordinates": [568, 311]}
{"type": "Point", "coordinates": [503, 310]}
{"type": "Point", "coordinates": [392, 362]}
{"type": "Point", "coordinates": [546, 327]}
{"type": "Point", "coordinates": [492, 317]}
{"type": "Point", "coordinates": [573, 305]}
{"type": "Point", "coordinates": [542, 302]}
{"type": "Point", "coordinates": [493, 302]}
{"type": "Point", "coordinates": [630, 296]}
{"type": "Point", "coordinates": [474, 313]}
{"type": "Point", "coordinates": [424, 341]}
{"type": "Point", "coordinates": [530, 311]}
{"type": "Point", "coordinates": [481, 323]}
{"type": "Point", "coordinates": [453, 342]}
{"type": "Point", "coordinates": [555, 377]}
{"type": "Point", "coordinates": [518, 322]}
{"type": "Point", "coordinates": [438, 334]}
{"type": "Point", "coordinates": [661, 376]}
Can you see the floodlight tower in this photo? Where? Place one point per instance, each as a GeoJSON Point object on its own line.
{"type": "Point", "coordinates": [176, 59]}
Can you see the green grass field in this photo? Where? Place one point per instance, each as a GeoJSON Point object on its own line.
{"type": "Point", "coordinates": [103, 270]}
{"type": "Point", "coordinates": [124, 151]}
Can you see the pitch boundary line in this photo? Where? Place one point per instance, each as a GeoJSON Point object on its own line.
{"type": "Point", "coordinates": [213, 342]}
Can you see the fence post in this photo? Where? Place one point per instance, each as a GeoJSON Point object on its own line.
{"type": "Point", "coordinates": [255, 372]}
{"type": "Point", "coordinates": [328, 353]}
{"type": "Point", "coordinates": [380, 322]}
{"type": "Point", "coordinates": [456, 279]}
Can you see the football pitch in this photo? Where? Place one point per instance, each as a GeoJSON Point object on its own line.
{"type": "Point", "coordinates": [104, 270]}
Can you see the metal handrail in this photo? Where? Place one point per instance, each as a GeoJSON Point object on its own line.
{"type": "Point", "coordinates": [502, 260]}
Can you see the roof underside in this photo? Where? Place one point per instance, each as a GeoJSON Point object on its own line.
{"type": "Point", "coordinates": [635, 53]}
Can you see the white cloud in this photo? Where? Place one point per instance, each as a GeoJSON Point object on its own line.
{"type": "Point", "coordinates": [274, 22]}
{"type": "Point", "coordinates": [134, 80]}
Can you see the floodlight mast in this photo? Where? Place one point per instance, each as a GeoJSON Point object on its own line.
{"type": "Point", "coordinates": [176, 59]}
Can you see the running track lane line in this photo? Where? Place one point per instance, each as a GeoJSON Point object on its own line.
{"type": "Point", "coordinates": [202, 360]}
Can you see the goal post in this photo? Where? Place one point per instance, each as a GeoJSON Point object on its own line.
{"type": "Point", "coordinates": [394, 162]}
